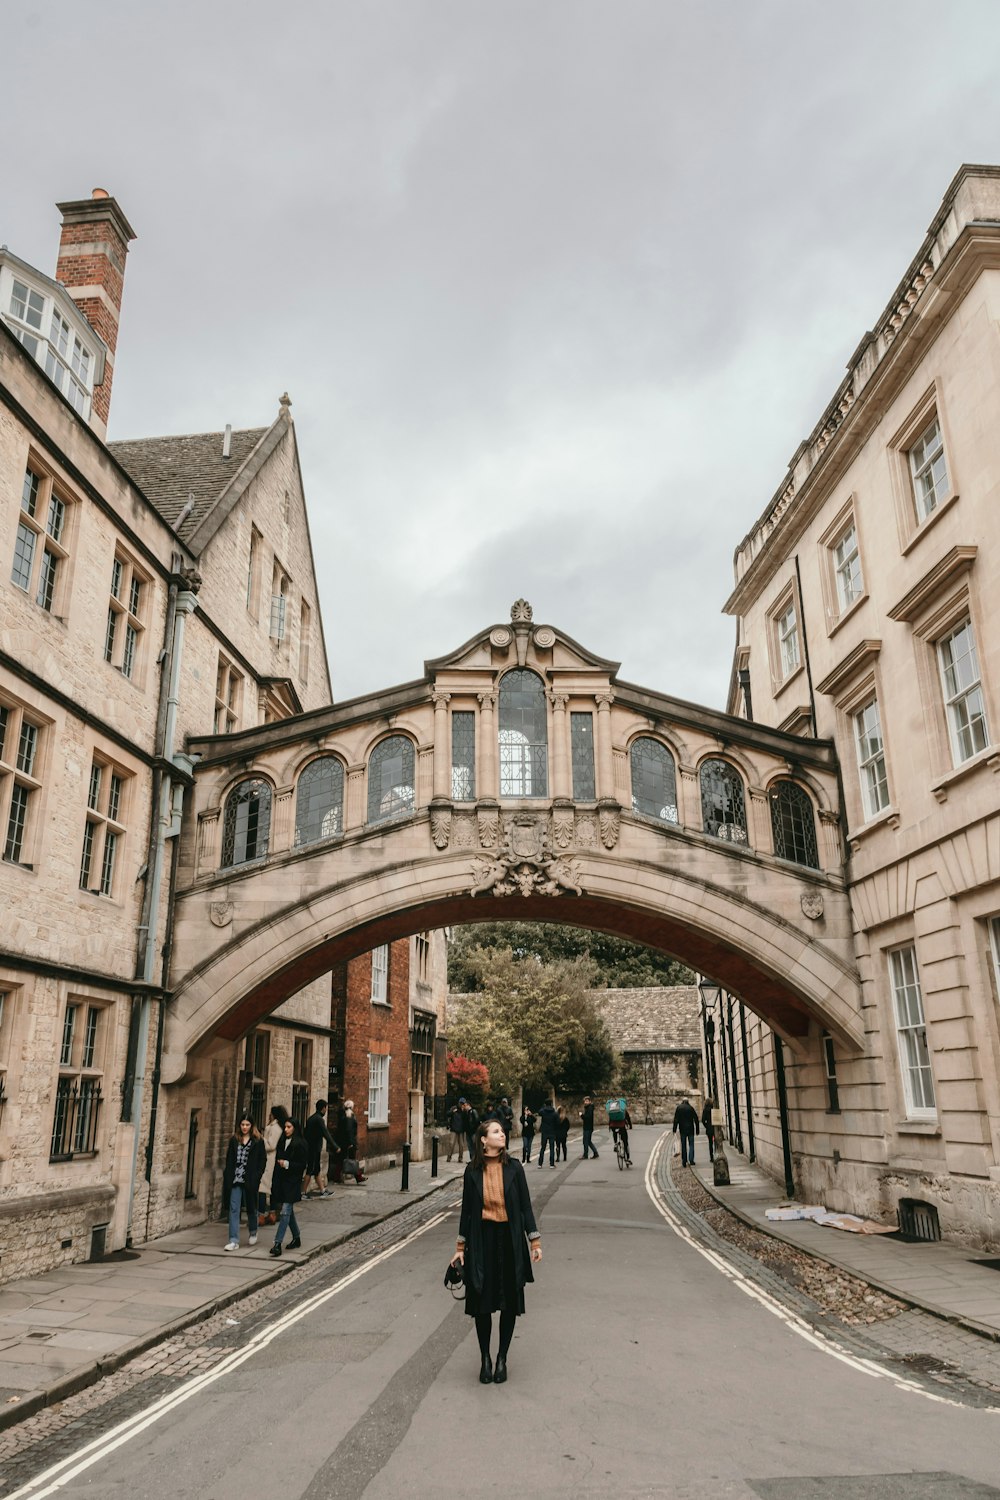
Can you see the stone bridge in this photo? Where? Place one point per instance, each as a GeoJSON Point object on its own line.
{"type": "Point", "coordinates": [518, 778]}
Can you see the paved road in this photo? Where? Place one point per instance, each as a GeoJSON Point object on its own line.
{"type": "Point", "coordinates": [640, 1369]}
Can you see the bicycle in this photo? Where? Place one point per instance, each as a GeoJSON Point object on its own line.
{"type": "Point", "coordinates": [621, 1153]}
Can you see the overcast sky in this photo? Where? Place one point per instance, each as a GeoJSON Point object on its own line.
{"type": "Point", "coordinates": [556, 286]}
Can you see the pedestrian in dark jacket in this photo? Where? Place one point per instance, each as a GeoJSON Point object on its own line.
{"type": "Point", "coordinates": [246, 1158]}
{"type": "Point", "coordinates": [456, 1124]}
{"type": "Point", "coordinates": [317, 1134]}
{"type": "Point", "coordinates": [686, 1121]}
{"type": "Point", "coordinates": [562, 1133]}
{"type": "Point", "coordinates": [547, 1126]}
{"type": "Point", "coordinates": [497, 1241]}
{"type": "Point", "coordinates": [471, 1121]}
{"type": "Point", "coordinates": [506, 1117]}
{"type": "Point", "coordinates": [527, 1132]}
{"type": "Point", "coordinates": [708, 1121]}
{"type": "Point", "coordinates": [587, 1116]}
{"type": "Point", "coordinates": [286, 1184]}
{"type": "Point", "coordinates": [347, 1140]}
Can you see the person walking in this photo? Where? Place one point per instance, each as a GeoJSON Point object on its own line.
{"type": "Point", "coordinates": [246, 1159]}
{"type": "Point", "coordinates": [708, 1122]}
{"type": "Point", "coordinates": [286, 1183]}
{"type": "Point", "coordinates": [347, 1140]}
{"type": "Point", "coordinates": [562, 1133]}
{"type": "Point", "coordinates": [686, 1121]}
{"type": "Point", "coordinates": [456, 1125]}
{"type": "Point", "coordinates": [272, 1135]}
{"type": "Point", "coordinates": [498, 1240]}
{"type": "Point", "coordinates": [316, 1134]}
{"type": "Point", "coordinates": [547, 1126]}
{"type": "Point", "coordinates": [506, 1118]}
{"type": "Point", "coordinates": [527, 1132]}
{"type": "Point", "coordinates": [471, 1122]}
{"type": "Point", "coordinates": [587, 1116]}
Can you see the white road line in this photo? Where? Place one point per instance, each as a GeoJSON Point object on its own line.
{"type": "Point", "coordinates": [791, 1320]}
{"type": "Point", "coordinates": [91, 1453]}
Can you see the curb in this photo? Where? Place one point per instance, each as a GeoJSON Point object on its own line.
{"type": "Point", "coordinates": [78, 1380]}
{"type": "Point", "coordinates": [982, 1330]}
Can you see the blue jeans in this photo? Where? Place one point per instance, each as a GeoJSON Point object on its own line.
{"type": "Point", "coordinates": [588, 1142]}
{"type": "Point", "coordinates": [687, 1148]}
{"type": "Point", "coordinates": [286, 1220]}
{"type": "Point", "coordinates": [237, 1197]}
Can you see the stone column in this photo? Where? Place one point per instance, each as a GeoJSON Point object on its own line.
{"type": "Point", "coordinates": [831, 847]}
{"type": "Point", "coordinates": [605, 760]}
{"type": "Point", "coordinates": [759, 832]}
{"type": "Point", "coordinates": [488, 781]}
{"type": "Point", "coordinates": [562, 779]}
{"type": "Point", "coordinates": [208, 841]}
{"type": "Point", "coordinates": [281, 821]}
{"type": "Point", "coordinates": [442, 756]}
{"type": "Point", "coordinates": [354, 801]}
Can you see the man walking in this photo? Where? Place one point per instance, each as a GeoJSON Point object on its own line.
{"type": "Point", "coordinates": [686, 1121]}
{"type": "Point", "coordinates": [471, 1121]}
{"type": "Point", "coordinates": [709, 1124]}
{"type": "Point", "coordinates": [456, 1125]}
{"type": "Point", "coordinates": [547, 1121]}
{"type": "Point", "coordinates": [506, 1118]}
{"type": "Point", "coordinates": [316, 1134]}
{"type": "Point", "coordinates": [527, 1132]}
{"type": "Point", "coordinates": [587, 1116]}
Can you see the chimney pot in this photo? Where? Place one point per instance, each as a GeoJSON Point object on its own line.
{"type": "Point", "coordinates": [99, 193]}
{"type": "Point", "coordinates": [227, 440]}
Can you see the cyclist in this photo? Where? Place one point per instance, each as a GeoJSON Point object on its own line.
{"type": "Point", "coordinates": [620, 1125]}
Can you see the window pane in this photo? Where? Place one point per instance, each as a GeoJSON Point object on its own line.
{"type": "Point", "coordinates": [247, 823]}
{"type": "Point", "coordinates": [390, 779]}
{"type": "Point", "coordinates": [56, 519]}
{"type": "Point", "coordinates": [17, 817]}
{"type": "Point", "coordinates": [463, 756]}
{"type": "Point", "coordinates": [319, 801]}
{"type": "Point", "coordinates": [523, 735]}
{"type": "Point", "coordinates": [114, 797]}
{"type": "Point", "coordinates": [380, 972]}
{"type": "Point", "coordinates": [582, 756]}
{"type": "Point", "coordinates": [47, 579]}
{"type": "Point", "coordinates": [722, 806]}
{"type": "Point", "coordinates": [24, 556]}
{"type": "Point", "coordinates": [108, 862]}
{"type": "Point", "coordinates": [654, 781]}
{"type": "Point", "coordinates": [793, 825]}
{"type": "Point", "coordinates": [128, 650]}
{"type": "Point", "coordinates": [29, 492]}
{"type": "Point", "coordinates": [27, 748]}
{"type": "Point", "coordinates": [871, 758]}
{"type": "Point", "coordinates": [4, 721]}
{"type": "Point", "coordinates": [87, 855]}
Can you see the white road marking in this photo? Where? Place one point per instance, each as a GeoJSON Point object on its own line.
{"type": "Point", "coordinates": [91, 1453]}
{"type": "Point", "coordinates": [791, 1320]}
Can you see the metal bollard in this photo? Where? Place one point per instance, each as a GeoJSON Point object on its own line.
{"type": "Point", "coordinates": [405, 1184]}
{"type": "Point", "coordinates": [434, 1155]}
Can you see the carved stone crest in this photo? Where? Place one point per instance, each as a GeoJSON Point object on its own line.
{"type": "Point", "coordinates": [586, 831]}
{"type": "Point", "coordinates": [525, 864]}
{"type": "Point", "coordinates": [221, 913]}
{"type": "Point", "coordinates": [463, 832]}
{"type": "Point", "coordinates": [611, 822]}
{"type": "Point", "coordinates": [441, 826]}
{"type": "Point", "coordinates": [811, 903]}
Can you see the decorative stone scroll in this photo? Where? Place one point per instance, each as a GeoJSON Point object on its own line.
{"type": "Point", "coordinates": [525, 864]}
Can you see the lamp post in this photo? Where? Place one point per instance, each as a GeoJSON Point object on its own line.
{"type": "Point", "coordinates": [710, 995]}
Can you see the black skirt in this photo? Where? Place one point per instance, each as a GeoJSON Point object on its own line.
{"type": "Point", "coordinates": [500, 1291]}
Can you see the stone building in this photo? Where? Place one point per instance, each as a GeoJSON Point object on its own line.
{"type": "Point", "coordinates": [154, 590]}
{"type": "Point", "coordinates": [866, 599]}
{"type": "Point", "coordinates": [657, 1032]}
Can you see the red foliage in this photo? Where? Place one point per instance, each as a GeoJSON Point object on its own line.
{"type": "Point", "coordinates": [465, 1073]}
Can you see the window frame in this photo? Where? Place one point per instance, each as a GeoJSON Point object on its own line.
{"type": "Point", "coordinates": [56, 546]}
{"type": "Point", "coordinates": [786, 603]}
{"type": "Point", "coordinates": [912, 521]}
{"type": "Point", "coordinates": [265, 794]}
{"type": "Point", "coordinates": [838, 606]}
{"type": "Point", "coordinates": [307, 775]}
{"type": "Point", "coordinates": [105, 827]}
{"type": "Point", "coordinates": [669, 758]}
{"type": "Point", "coordinates": [125, 623]}
{"type": "Point", "coordinates": [281, 585]}
{"type": "Point", "coordinates": [60, 359]}
{"type": "Point", "coordinates": [21, 786]}
{"type": "Point", "coordinates": [865, 762]}
{"type": "Point", "coordinates": [773, 791]}
{"type": "Point", "coordinates": [85, 1038]}
{"type": "Point", "coordinates": [463, 727]}
{"type": "Point", "coordinates": [951, 700]}
{"type": "Point", "coordinates": [740, 833]}
{"type": "Point", "coordinates": [378, 1088]}
{"type": "Point", "coordinates": [939, 490]}
{"type": "Point", "coordinates": [403, 793]}
{"type": "Point", "coordinates": [229, 685]}
{"type": "Point", "coordinates": [380, 964]}
{"type": "Point", "coordinates": [582, 755]}
{"type": "Point", "coordinates": [522, 760]}
{"type": "Point", "coordinates": [913, 1109]}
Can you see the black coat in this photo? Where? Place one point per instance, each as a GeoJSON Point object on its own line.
{"type": "Point", "coordinates": [346, 1133]}
{"type": "Point", "coordinates": [520, 1221]}
{"type": "Point", "coordinates": [548, 1120]}
{"type": "Point", "coordinates": [686, 1119]}
{"type": "Point", "coordinates": [562, 1129]}
{"type": "Point", "coordinates": [256, 1162]}
{"type": "Point", "coordinates": [528, 1121]}
{"type": "Point", "coordinates": [286, 1182]}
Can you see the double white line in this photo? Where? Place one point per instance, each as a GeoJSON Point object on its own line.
{"type": "Point", "coordinates": [69, 1468]}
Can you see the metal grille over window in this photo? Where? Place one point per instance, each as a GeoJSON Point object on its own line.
{"type": "Point", "coordinates": [319, 801]}
{"type": "Point", "coordinates": [463, 756]}
{"type": "Point", "coordinates": [390, 779]}
{"type": "Point", "coordinates": [581, 736]}
{"type": "Point", "coordinates": [247, 823]}
{"type": "Point", "coordinates": [793, 825]}
{"type": "Point", "coordinates": [523, 735]}
{"type": "Point", "coordinates": [722, 806]}
{"type": "Point", "coordinates": [929, 470]}
{"type": "Point", "coordinates": [654, 780]}
{"type": "Point", "coordinates": [78, 1091]}
{"type": "Point", "coordinates": [911, 1031]}
{"type": "Point", "coordinates": [963, 693]}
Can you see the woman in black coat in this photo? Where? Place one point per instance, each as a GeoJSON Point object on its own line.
{"type": "Point", "coordinates": [290, 1159]}
{"type": "Point", "coordinates": [497, 1242]}
{"type": "Point", "coordinates": [246, 1159]}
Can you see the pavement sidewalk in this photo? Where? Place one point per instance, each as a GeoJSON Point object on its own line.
{"type": "Point", "coordinates": [62, 1331]}
{"type": "Point", "coordinates": [962, 1286]}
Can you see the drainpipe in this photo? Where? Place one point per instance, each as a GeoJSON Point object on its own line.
{"type": "Point", "coordinates": [805, 650]}
{"type": "Point", "coordinates": [751, 1147]}
{"type": "Point", "coordinates": [184, 602]}
{"type": "Point", "coordinates": [786, 1140]}
{"type": "Point", "coordinates": [737, 1127]}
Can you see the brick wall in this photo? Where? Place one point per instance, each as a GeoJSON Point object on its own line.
{"type": "Point", "coordinates": [385, 1029]}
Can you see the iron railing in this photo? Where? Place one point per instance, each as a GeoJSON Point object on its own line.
{"type": "Point", "coordinates": [74, 1123]}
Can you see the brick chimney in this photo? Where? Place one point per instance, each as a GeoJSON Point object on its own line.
{"type": "Point", "coordinates": [92, 249]}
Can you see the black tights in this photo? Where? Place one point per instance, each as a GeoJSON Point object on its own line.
{"type": "Point", "coordinates": [484, 1328]}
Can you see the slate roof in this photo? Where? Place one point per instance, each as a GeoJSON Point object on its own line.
{"type": "Point", "coordinates": [169, 470]}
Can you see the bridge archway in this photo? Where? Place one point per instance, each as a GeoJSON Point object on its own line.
{"type": "Point", "coordinates": [724, 899]}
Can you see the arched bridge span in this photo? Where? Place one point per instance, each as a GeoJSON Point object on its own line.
{"type": "Point", "coordinates": [519, 778]}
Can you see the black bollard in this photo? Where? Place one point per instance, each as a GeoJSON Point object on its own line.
{"type": "Point", "coordinates": [405, 1184]}
{"type": "Point", "coordinates": [434, 1155]}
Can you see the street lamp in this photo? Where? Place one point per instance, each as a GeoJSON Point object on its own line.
{"type": "Point", "coordinates": [710, 995]}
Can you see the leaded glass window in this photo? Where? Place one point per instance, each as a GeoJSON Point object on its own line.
{"type": "Point", "coordinates": [723, 811]}
{"type": "Point", "coordinates": [523, 735]}
{"type": "Point", "coordinates": [247, 823]}
{"type": "Point", "coordinates": [390, 779]}
{"type": "Point", "coordinates": [793, 825]}
{"type": "Point", "coordinates": [581, 738]}
{"type": "Point", "coordinates": [463, 756]}
{"type": "Point", "coordinates": [654, 780]}
{"type": "Point", "coordinates": [319, 801]}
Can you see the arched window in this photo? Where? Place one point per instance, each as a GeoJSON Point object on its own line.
{"type": "Point", "coordinates": [390, 779]}
{"type": "Point", "coordinates": [654, 780]}
{"type": "Point", "coordinates": [793, 824]}
{"type": "Point", "coordinates": [523, 735]}
{"type": "Point", "coordinates": [319, 801]}
{"type": "Point", "coordinates": [247, 822]}
{"type": "Point", "coordinates": [723, 813]}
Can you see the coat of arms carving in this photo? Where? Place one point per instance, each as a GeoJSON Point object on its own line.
{"type": "Point", "coordinates": [221, 913]}
{"type": "Point", "coordinates": [525, 864]}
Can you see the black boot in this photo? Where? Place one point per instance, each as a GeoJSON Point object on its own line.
{"type": "Point", "coordinates": [500, 1370]}
{"type": "Point", "coordinates": [486, 1373]}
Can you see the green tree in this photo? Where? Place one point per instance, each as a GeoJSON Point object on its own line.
{"type": "Point", "coordinates": [618, 964]}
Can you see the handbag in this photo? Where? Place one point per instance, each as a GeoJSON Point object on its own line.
{"type": "Point", "coordinates": [454, 1277]}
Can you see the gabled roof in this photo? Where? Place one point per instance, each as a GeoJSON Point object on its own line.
{"type": "Point", "coordinates": [172, 470]}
